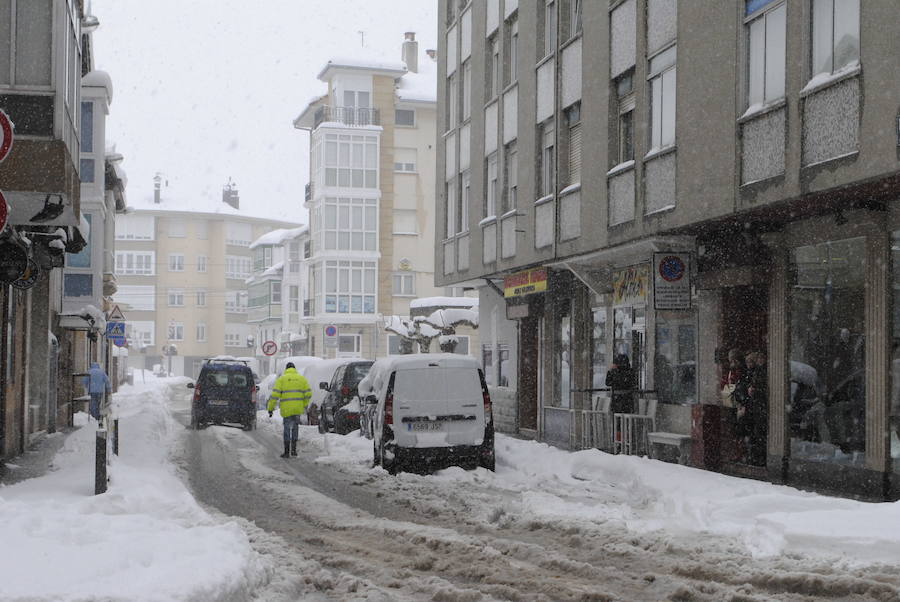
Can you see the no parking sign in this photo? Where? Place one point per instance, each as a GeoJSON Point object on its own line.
{"type": "Point", "coordinates": [331, 335]}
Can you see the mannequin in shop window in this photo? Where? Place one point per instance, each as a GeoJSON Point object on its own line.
{"type": "Point", "coordinates": [623, 381]}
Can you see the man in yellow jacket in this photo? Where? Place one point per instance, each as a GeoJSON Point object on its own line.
{"type": "Point", "coordinates": [292, 392]}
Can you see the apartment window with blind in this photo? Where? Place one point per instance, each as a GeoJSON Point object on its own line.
{"type": "Point", "coordinates": [404, 285]}
{"type": "Point", "coordinates": [511, 177]}
{"type": "Point", "coordinates": [201, 299]}
{"type": "Point", "coordinates": [492, 186]}
{"type": "Point", "coordinates": [546, 25]}
{"type": "Point", "coordinates": [176, 297]}
{"type": "Point", "coordinates": [405, 117]}
{"type": "Point", "coordinates": [571, 18]}
{"type": "Point", "coordinates": [136, 263]}
{"type": "Point", "coordinates": [294, 299]}
{"type": "Point", "coordinates": [766, 52]}
{"type": "Point", "coordinates": [201, 332]}
{"type": "Point", "coordinates": [662, 99]}
{"type": "Point", "coordinates": [465, 200]}
{"type": "Point", "coordinates": [546, 158]}
{"type": "Point", "coordinates": [624, 87]}
{"type": "Point", "coordinates": [405, 160]}
{"type": "Point", "coordinates": [176, 262]}
{"type": "Point", "coordinates": [511, 73]}
{"type": "Point", "coordinates": [466, 90]}
{"type": "Point", "coordinates": [492, 72]}
{"type": "Point", "coordinates": [450, 196]}
{"type": "Point", "coordinates": [452, 102]}
{"type": "Point", "coordinates": [835, 35]}
{"type": "Point", "coordinates": [201, 263]}
{"type": "Point", "coordinates": [573, 140]}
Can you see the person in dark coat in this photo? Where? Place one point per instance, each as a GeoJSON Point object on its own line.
{"type": "Point", "coordinates": [97, 384]}
{"type": "Point", "coordinates": [623, 381]}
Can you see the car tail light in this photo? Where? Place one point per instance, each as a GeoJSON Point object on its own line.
{"type": "Point", "coordinates": [488, 411]}
{"type": "Point", "coordinates": [345, 390]}
{"type": "Point", "coordinates": [197, 393]}
{"type": "Point", "coordinates": [389, 409]}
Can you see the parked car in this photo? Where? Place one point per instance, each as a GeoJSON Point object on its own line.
{"type": "Point", "coordinates": [431, 411]}
{"type": "Point", "coordinates": [225, 392]}
{"type": "Point", "coordinates": [339, 410]}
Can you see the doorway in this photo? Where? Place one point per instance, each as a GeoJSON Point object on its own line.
{"type": "Point", "coordinates": [529, 362]}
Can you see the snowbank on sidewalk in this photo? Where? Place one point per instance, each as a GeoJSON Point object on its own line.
{"type": "Point", "coordinates": [146, 538]}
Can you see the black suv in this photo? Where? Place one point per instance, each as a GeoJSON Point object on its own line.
{"type": "Point", "coordinates": [225, 392]}
{"type": "Point", "coordinates": [336, 413]}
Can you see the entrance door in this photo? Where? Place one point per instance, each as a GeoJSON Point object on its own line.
{"type": "Point", "coordinates": [528, 373]}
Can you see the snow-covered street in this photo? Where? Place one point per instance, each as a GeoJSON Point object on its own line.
{"type": "Point", "coordinates": [548, 525]}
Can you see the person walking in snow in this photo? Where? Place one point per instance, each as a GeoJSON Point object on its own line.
{"type": "Point", "coordinates": [97, 383]}
{"type": "Point", "coordinates": [292, 393]}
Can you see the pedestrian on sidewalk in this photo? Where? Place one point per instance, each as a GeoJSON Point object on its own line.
{"type": "Point", "coordinates": [292, 393]}
{"type": "Point", "coordinates": [97, 384]}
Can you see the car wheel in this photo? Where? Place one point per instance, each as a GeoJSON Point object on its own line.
{"type": "Point", "coordinates": [389, 465]}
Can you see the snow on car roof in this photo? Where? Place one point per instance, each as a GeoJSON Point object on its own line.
{"type": "Point", "coordinates": [374, 380]}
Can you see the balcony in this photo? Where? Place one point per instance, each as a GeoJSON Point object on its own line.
{"type": "Point", "coordinates": [349, 116]}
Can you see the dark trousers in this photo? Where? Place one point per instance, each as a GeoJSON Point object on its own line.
{"type": "Point", "coordinates": [291, 428]}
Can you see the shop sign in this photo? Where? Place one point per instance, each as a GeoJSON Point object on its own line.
{"type": "Point", "coordinates": [671, 281]}
{"type": "Point", "coordinates": [630, 285]}
{"type": "Point", "coordinates": [525, 283]}
{"type": "Point", "coordinates": [31, 276]}
{"type": "Point", "coordinates": [13, 261]}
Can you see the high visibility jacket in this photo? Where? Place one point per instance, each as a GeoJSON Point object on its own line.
{"type": "Point", "coordinates": [292, 392]}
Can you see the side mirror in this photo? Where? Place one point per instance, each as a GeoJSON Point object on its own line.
{"type": "Point", "coordinates": [256, 388]}
{"type": "Point", "coordinates": [323, 386]}
{"type": "Point", "coordinates": [190, 385]}
{"type": "Point", "coordinates": [371, 399]}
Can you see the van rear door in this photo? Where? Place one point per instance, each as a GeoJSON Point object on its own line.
{"type": "Point", "coordinates": [438, 407]}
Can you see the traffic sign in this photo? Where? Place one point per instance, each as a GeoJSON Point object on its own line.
{"type": "Point", "coordinates": [331, 335]}
{"type": "Point", "coordinates": [6, 135]}
{"type": "Point", "coordinates": [4, 211]}
{"type": "Point", "coordinates": [270, 347]}
{"type": "Point", "coordinates": [120, 342]}
{"type": "Point", "coordinates": [116, 314]}
{"type": "Point", "coordinates": [115, 329]}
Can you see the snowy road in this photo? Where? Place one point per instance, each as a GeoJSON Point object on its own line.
{"type": "Point", "coordinates": [341, 529]}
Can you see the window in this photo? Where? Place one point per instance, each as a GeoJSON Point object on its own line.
{"type": "Point", "coordinates": [260, 294]}
{"type": "Point", "coordinates": [547, 156]}
{"type": "Point", "coordinates": [233, 339]}
{"type": "Point", "coordinates": [201, 298]}
{"type": "Point", "coordinates": [201, 332]}
{"type": "Point", "coordinates": [262, 258]}
{"type": "Point", "coordinates": [404, 285]}
{"type": "Point", "coordinates": [405, 221]}
{"type": "Point", "coordinates": [573, 121]}
{"type": "Point", "coordinates": [492, 187]}
{"type": "Point", "coordinates": [276, 292]}
{"type": "Point", "coordinates": [176, 331]}
{"type": "Point", "coordinates": [466, 90]}
{"type": "Point", "coordinates": [176, 297]}
{"type": "Point", "coordinates": [238, 234]}
{"type": "Point", "coordinates": [835, 37]}
{"type": "Point", "coordinates": [511, 173]}
{"type": "Point", "coordinates": [351, 161]}
{"type": "Point", "coordinates": [236, 301]}
{"type": "Point", "coordinates": [349, 343]}
{"type": "Point", "coordinates": [136, 298]}
{"type": "Point", "coordinates": [574, 18]}
{"type": "Point", "coordinates": [356, 99]}
{"type": "Point", "coordinates": [135, 227]}
{"type": "Point", "coordinates": [294, 251]}
{"type": "Point", "coordinates": [662, 99]}
{"type": "Point", "coordinates": [79, 285]}
{"type": "Point", "coordinates": [464, 201]}
{"type": "Point", "coordinates": [141, 333]}
{"type": "Point", "coordinates": [405, 160]}
{"type": "Point", "coordinates": [452, 207]}
{"type": "Point", "coordinates": [87, 171]}
{"type": "Point", "coordinates": [136, 263]}
{"type": "Point", "coordinates": [452, 101]}
{"type": "Point", "coordinates": [176, 262]}
{"type": "Point", "coordinates": [201, 263]}
{"type": "Point", "coordinates": [349, 224]}
{"type": "Point", "coordinates": [294, 299]}
{"type": "Point", "coordinates": [492, 70]}
{"type": "Point", "coordinates": [177, 228]}
{"type": "Point", "coordinates": [350, 287]}
{"type": "Point", "coordinates": [82, 259]}
{"type": "Point", "coordinates": [766, 54]}
{"type": "Point", "coordinates": [30, 47]}
{"type": "Point", "coordinates": [237, 267]}
{"type": "Point", "coordinates": [547, 26]}
{"type": "Point", "coordinates": [624, 86]}
{"type": "Point", "coordinates": [87, 127]}
{"type": "Point", "coordinates": [405, 117]}
{"type": "Point", "coordinates": [512, 51]}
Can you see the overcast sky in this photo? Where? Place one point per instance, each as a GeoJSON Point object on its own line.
{"type": "Point", "coordinates": [205, 90]}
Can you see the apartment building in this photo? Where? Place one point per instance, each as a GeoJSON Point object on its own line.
{"type": "Point", "coordinates": [182, 269]}
{"type": "Point", "coordinates": [672, 180]}
{"type": "Point", "coordinates": [370, 198]}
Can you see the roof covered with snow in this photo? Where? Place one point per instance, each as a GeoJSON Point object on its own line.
{"type": "Point", "coordinates": [443, 302]}
{"type": "Point", "coordinates": [99, 79]}
{"type": "Point", "coordinates": [279, 236]}
{"type": "Point", "coordinates": [172, 201]}
{"type": "Point", "coordinates": [421, 86]}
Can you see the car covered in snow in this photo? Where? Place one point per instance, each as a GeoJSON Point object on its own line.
{"type": "Point", "coordinates": [339, 411]}
{"type": "Point", "coordinates": [431, 411]}
{"type": "Point", "coordinates": [225, 392]}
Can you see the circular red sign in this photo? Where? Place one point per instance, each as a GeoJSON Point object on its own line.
{"type": "Point", "coordinates": [6, 135]}
{"type": "Point", "coordinates": [269, 347]}
{"type": "Point", "coordinates": [4, 211]}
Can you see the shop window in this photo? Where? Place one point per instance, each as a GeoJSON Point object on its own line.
{"type": "Point", "coordinates": [827, 408]}
{"type": "Point", "coordinates": [562, 359]}
{"type": "Point", "coordinates": [675, 365]}
{"type": "Point", "coordinates": [628, 338]}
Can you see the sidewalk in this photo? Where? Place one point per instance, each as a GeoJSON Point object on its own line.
{"type": "Point", "coordinates": [37, 459]}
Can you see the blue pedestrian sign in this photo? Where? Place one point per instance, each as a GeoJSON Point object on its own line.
{"type": "Point", "coordinates": [115, 332]}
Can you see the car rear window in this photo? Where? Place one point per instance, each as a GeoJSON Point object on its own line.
{"type": "Point", "coordinates": [437, 384]}
{"type": "Point", "coordinates": [356, 373]}
{"type": "Point", "coordinates": [225, 378]}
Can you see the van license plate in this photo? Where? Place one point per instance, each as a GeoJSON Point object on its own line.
{"type": "Point", "coordinates": [218, 402]}
{"type": "Point", "coordinates": [425, 426]}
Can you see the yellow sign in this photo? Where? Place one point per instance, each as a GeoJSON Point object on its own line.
{"type": "Point", "coordinates": [525, 283]}
{"type": "Point", "coordinates": [630, 285]}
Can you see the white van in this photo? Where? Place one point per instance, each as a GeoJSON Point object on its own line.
{"type": "Point", "coordinates": [431, 411]}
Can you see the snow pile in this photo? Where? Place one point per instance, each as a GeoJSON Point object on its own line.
{"type": "Point", "coordinates": [468, 302]}
{"type": "Point", "coordinates": [146, 538]}
{"type": "Point", "coordinates": [277, 237]}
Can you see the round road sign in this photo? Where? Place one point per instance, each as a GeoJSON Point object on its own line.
{"type": "Point", "coordinates": [270, 347]}
{"type": "Point", "coordinates": [330, 331]}
{"type": "Point", "coordinates": [6, 135]}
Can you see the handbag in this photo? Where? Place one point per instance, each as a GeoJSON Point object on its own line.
{"type": "Point", "coordinates": [728, 395]}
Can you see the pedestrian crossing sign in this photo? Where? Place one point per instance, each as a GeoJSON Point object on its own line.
{"type": "Point", "coordinates": [116, 314]}
{"type": "Point", "coordinates": [115, 329]}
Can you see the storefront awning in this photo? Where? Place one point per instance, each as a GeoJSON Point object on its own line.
{"type": "Point", "coordinates": [74, 322]}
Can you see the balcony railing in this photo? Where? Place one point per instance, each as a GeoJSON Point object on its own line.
{"type": "Point", "coordinates": [351, 116]}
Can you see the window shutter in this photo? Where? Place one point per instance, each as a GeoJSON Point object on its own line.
{"type": "Point", "coordinates": [575, 154]}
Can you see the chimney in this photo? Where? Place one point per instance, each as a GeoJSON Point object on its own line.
{"type": "Point", "coordinates": [411, 52]}
{"type": "Point", "coordinates": [230, 195]}
{"type": "Point", "coordinates": [157, 181]}
{"type": "Point", "coordinates": [432, 54]}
